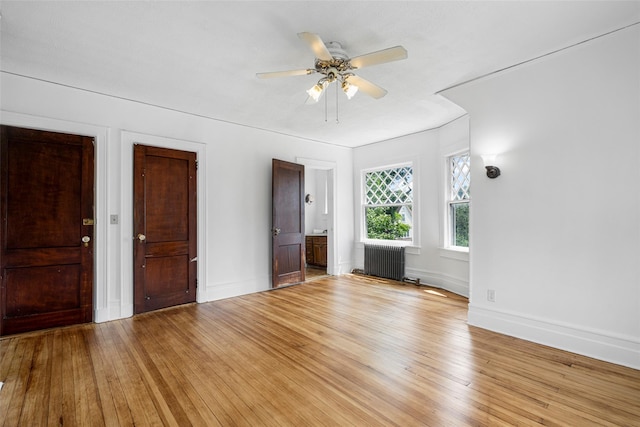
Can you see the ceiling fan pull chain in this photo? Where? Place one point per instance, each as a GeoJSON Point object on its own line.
{"type": "Point", "coordinates": [337, 120]}
{"type": "Point", "coordinates": [325, 107]}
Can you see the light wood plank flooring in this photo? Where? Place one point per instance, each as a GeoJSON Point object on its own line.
{"type": "Point", "coordinates": [312, 273]}
{"type": "Point", "coordinates": [345, 351]}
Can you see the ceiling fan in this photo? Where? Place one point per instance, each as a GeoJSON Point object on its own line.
{"type": "Point", "coordinates": [336, 66]}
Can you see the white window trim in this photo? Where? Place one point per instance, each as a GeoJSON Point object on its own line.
{"type": "Point", "coordinates": [447, 229]}
{"type": "Point", "coordinates": [412, 245]}
{"type": "Point", "coordinates": [454, 253]}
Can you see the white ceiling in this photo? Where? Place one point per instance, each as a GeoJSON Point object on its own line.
{"type": "Point", "coordinates": [201, 57]}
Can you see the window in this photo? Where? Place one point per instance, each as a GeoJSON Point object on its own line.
{"type": "Point", "coordinates": [388, 203]}
{"type": "Point", "coordinates": [458, 199]}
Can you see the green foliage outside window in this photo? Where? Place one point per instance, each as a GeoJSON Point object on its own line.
{"type": "Point", "coordinates": [385, 223]}
{"type": "Point", "coordinates": [460, 217]}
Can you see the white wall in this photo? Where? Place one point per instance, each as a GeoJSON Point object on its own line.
{"type": "Point", "coordinates": [234, 183]}
{"type": "Point", "coordinates": [427, 259]}
{"type": "Point", "coordinates": [557, 236]}
{"type": "Point", "coordinates": [310, 210]}
{"type": "Point", "coordinates": [316, 213]}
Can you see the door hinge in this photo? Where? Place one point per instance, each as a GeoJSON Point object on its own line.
{"type": "Point", "coordinates": [196, 165]}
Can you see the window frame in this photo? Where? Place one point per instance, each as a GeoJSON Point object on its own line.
{"type": "Point", "coordinates": [414, 232]}
{"type": "Point", "coordinates": [449, 230]}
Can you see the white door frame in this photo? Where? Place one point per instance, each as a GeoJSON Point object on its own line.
{"type": "Point", "coordinates": [331, 167]}
{"type": "Point", "coordinates": [101, 276]}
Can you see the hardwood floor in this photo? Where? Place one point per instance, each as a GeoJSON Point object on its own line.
{"type": "Point", "coordinates": [313, 273]}
{"type": "Point", "coordinates": [337, 351]}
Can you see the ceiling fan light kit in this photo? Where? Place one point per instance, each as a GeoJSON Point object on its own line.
{"type": "Point", "coordinates": [316, 91]}
{"type": "Point", "coordinates": [333, 63]}
{"type": "Point", "coordinates": [349, 89]}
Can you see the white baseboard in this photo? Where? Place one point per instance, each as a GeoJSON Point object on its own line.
{"type": "Point", "coordinates": [113, 312]}
{"type": "Point", "coordinates": [343, 268]}
{"type": "Point", "coordinates": [438, 280]}
{"type": "Point", "coordinates": [621, 350]}
{"type": "Point", "coordinates": [101, 315]}
{"type": "Point", "coordinates": [213, 292]}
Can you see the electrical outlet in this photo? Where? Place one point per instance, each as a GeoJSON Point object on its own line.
{"type": "Point", "coordinates": [491, 295]}
{"type": "Point", "coordinates": [113, 219]}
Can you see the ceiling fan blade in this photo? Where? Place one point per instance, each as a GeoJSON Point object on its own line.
{"type": "Point", "coordinates": [366, 86]}
{"type": "Point", "coordinates": [273, 74]}
{"type": "Point", "coordinates": [317, 45]}
{"type": "Point", "coordinates": [379, 57]}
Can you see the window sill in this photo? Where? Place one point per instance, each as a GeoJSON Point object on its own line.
{"type": "Point", "coordinates": [408, 246]}
{"type": "Point", "coordinates": [454, 253]}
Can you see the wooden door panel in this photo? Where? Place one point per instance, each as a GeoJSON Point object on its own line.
{"type": "Point", "coordinates": [167, 275]}
{"type": "Point", "coordinates": [24, 283]}
{"type": "Point", "coordinates": [166, 248]}
{"type": "Point", "coordinates": [52, 195]}
{"type": "Point", "coordinates": [42, 256]}
{"type": "Point", "coordinates": [46, 193]}
{"type": "Point", "coordinates": [288, 252]}
{"type": "Point", "coordinates": [167, 200]}
{"type": "Point", "coordinates": [165, 214]}
{"type": "Point", "coordinates": [290, 217]}
{"type": "Point", "coordinates": [289, 260]}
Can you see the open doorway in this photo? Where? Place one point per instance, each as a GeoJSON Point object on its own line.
{"type": "Point", "coordinates": [319, 218]}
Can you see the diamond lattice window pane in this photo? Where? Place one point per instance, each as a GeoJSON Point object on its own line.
{"type": "Point", "coordinates": [389, 186]}
{"type": "Point", "coordinates": [460, 177]}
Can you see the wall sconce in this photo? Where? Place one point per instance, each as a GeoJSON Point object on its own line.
{"type": "Point", "coordinates": [490, 165]}
{"type": "Point", "coordinates": [309, 199]}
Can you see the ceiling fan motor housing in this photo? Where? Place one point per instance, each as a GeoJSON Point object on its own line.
{"type": "Point", "coordinates": [338, 64]}
{"type": "Point", "coordinates": [335, 49]}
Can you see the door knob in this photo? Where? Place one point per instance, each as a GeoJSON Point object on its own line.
{"type": "Point", "coordinates": [86, 240]}
{"type": "Point", "coordinates": [142, 237]}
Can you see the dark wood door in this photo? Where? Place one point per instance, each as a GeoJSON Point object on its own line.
{"type": "Point", "coordinates": [165, 242]}
{"type": "Point", "coordinates": [46, 249]}
{"type": "Point", "coordinates": [287, 223]}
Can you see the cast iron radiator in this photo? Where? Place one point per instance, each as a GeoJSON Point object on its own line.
{"type": "Point", "coordinates": [384, 261]}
